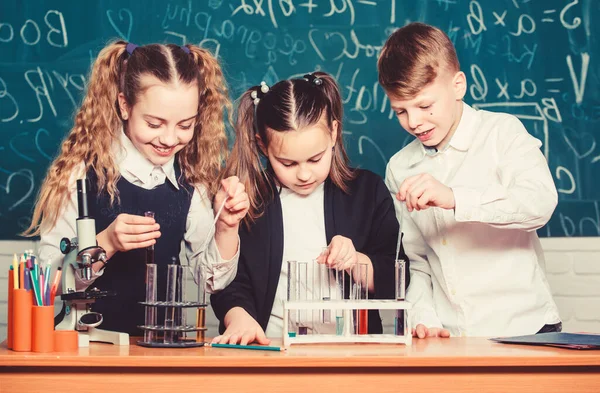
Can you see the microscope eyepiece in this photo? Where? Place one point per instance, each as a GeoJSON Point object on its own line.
{"type": "Point", "coordinates": [82, 198]}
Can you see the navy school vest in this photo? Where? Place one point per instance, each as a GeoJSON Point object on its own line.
{"type": "Point", "coordinates": [125, 272]}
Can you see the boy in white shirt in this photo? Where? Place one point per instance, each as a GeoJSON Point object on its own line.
{"type": "Point", "coordinates": [471, 190]}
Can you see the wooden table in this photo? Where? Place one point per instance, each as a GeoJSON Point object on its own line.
{"type": "Point", "coordinates": [432, 365]}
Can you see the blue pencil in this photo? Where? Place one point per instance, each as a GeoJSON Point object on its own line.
{"type": "Point", "coordinates": [253, 347]}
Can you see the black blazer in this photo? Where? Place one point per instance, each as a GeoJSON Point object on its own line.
{"type": "Point", "coordinates": [365, 215]}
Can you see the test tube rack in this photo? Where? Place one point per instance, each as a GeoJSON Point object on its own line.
{"type": "Point", "coordinates": [347, 337]}
{"type": "Point", "coordinates": [178, 331]}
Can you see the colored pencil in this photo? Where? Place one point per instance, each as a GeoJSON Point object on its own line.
{"type": "Point", "coordinates": [252, 347]}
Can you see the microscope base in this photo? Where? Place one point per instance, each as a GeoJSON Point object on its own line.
{"type": "Point", "coordinates": [105, 336]}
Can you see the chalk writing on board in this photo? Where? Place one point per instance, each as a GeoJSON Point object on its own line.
{"type": "Point", "coordinates": [121, 21]}
{"type": "Point", "coordinates": [536, 60]}
{"type": "Point", "coordinates": [54, 32]}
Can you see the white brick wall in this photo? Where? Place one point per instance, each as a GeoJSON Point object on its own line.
{"type": "Point", "coordinates": [572, 268]}
{"type": "Point", "coordinates": [573, 271]}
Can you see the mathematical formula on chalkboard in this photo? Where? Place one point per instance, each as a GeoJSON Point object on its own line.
{"type": "Point", "coordinates": [536, 60]}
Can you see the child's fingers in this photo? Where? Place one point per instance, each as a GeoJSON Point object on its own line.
{"type": "Point", "coordinates": [342, 261]}
{"type": "Point", "coordinates": [234, 339]}
{"type": "Point", "coordinates": [216, 340]}
{"type": "Point", "coordinates": [246, 338]}
{"type": "Point", "coordinates": [421, 331]}
{"type": "Point", "coordinates": [139, 238]}
{"type": "Point", "coordinates": [406, 184]}
{"type": "Point", "coordinates": [261, 338]}
{"type": "Point", "coordinates": [334, 251]}
{"type": "Point", "coordinates": [350, 262]}
{"type": "Point", "coordinates": [144, 244]}
{"type": "Point", "coordinates": [239, 188]}
{"type": "Point", "coordinates": [135, 220]}
{"type": "Point", "coordinates": [140, 228]}
{"type": "Point", "coordinates": [225, 185]}
{"type": "Point", "coordinates": [241, 207]}
{"type": "Point", "coordinates": [222, 339]}
{"type": "Point", "coordinates": [423, 201]}
{"type": "Point", "coordinates": [417, 190]}
{"type": "Point", "coordinates": [413, 196]}
{"type": "Point", "coordinates": [238, 202]}
{"type": "Point", "coordinates": [231, 186]}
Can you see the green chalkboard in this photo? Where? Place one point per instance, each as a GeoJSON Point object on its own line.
{"type": "Point", "coordinates": [536, 59]}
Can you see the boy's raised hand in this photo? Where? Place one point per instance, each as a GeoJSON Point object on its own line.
{"type": "Point", "coordinates": [422, 331]}
{"type": "Point", "coordinates": [128, 232]}
{"type": "Point", "coordinates": [242, 328]}
{"type": "Point", "coordinates": [423, 191]}
{"type": "Point", "coordinates": [236, 206]}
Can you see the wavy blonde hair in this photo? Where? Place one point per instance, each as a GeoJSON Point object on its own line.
{"type": "Point", "coordinates": [98, 122]}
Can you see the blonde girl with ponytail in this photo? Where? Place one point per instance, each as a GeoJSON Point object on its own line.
{"type": "Point", "coordinates": [149, 136]}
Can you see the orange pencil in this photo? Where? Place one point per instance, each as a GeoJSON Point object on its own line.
{"type": "Point", "coordinates": [22, 275]}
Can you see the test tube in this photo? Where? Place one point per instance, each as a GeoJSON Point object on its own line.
{"type": "Point", "coordinates": [315, 294]}
{"type": "Point", "coordinates": [303, 296]}
{"type": "Point", "coordinates": [201, 311]}
{"type": "Point", "coordinates": [340, 279]}
{"type": "Point", "coordinates": [325, 284]}
{"type": "Point", "coordinates": [179, 297]}
{"type": "Point", "coordinates": [362, 293]}
{"type": "Point", "coordinates": [292, 295]}
{"type": "Point", "coordinates": [170, 297]}
{"type": "Point", "coordinates": [149, 335]}
{"type": "Point", "coordinates": [400, 326]}
{"type": "Point", "coordinates": [149, 249]}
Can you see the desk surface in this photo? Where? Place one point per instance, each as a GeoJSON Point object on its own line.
{"type": "Point", "coordinates": [456, 365]}
{"type": "Point", "coordinates": [434, 352]}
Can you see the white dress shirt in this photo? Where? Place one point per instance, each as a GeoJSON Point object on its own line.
{"type": "Point", "coordinates": [304, 238]}
{"type": "Point", "coordinates": [476, 270]}
{"type": "Point", "coordinates": [136, 169]}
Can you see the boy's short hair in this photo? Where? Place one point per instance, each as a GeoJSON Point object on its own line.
{"type": "Point", "coordinates": [411, 58]}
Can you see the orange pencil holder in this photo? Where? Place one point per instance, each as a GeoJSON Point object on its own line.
{"type": "Point", "coordinates": [9, 333]}
{"type": "Point", "coordinates": [21, 317]}
{"type": "Point", "coordinates": [66, 341]}
{"type": "Point", "coordinates": [42, 329]}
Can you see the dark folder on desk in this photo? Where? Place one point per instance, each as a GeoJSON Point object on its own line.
{"type": "Point", "coordinates": [561, 340]}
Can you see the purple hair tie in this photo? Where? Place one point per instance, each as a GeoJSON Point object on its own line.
{"type": "Point", "coordinates": [130, 48]}
{"type": "Point", "coordinates": [185, 49]}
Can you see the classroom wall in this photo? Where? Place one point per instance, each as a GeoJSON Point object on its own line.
{"type": "Point", "coordinates": [572, 268]}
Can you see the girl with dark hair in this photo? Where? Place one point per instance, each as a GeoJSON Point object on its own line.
{"type": "Point", "coordinates": [303, 195]}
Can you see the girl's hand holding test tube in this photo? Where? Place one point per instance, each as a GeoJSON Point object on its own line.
{"type": "Point", "coordinates": [341, 255]}
{"type": "Point", "coordinates": [128, 232]}
{"type": "Point", "coordinates": [241, 328]}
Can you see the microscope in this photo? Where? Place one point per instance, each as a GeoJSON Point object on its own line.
{"type": "Point", "coordinates": [80, 254]}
